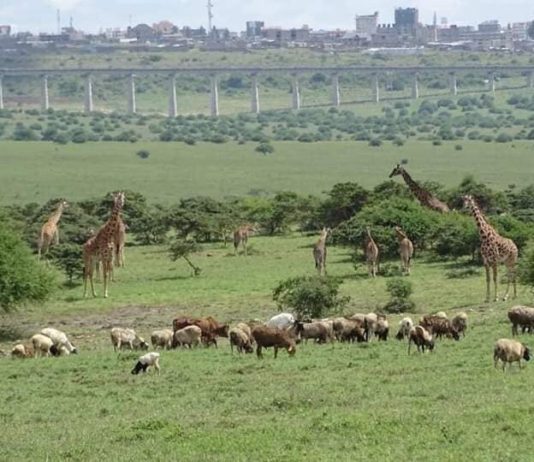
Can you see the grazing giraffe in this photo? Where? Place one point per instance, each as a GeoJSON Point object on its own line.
{"type": "Point", "coordinates": [371, 253]}
{"type": "Point", "coordinates": [241, 236]}
{"type": "Point", "coordinates": [50, 230]}
{"type": "Point", "coordinates": [425, 197]}
{"type": "Point", "coordinates": [494, 249]}
{"type": "Point", "coordinates": [100, 248]}
{"type": "Point", "coordinates": [405, 249]}
{"type": "Point", "coordinates": [319, 252]}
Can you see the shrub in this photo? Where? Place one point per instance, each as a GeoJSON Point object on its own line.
{"type": "Point", "coordinates": [375, 142]}
{"type": "Point", "coordinates": [458, 147]}
{"type": "Point", "coordinates": [310, 296]}
{"type": "Point", "coordinates": [400, 290]}
{"type": "Point", "coordinates": [503, 138]}
{"type": "Point", "coordinates": [182, 248]}
{"type": "Point", "coordinates": [265, 148]}
{"type": "Point", "coordinates": [143, 154]}
{"type": "Point", "coordinates": [68, 257]}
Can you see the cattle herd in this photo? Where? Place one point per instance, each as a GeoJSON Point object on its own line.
{"type": "Point", "coordinates": [284, 331]}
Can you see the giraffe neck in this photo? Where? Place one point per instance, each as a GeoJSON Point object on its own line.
{"type": "Point", "coordinates": [370, 237]}
{"type": "Point", "coordinates": [54, 218]}
{"type": "Point", "coordinates": [484, 228]}
{"type": "Point", "coordinates": [414, 187]}
{"type": "Point", "coordinates": [114, 219]}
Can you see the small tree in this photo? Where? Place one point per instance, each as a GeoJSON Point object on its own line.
{"type": "Point", "coordinates": [265, 148]}
{"type": "Point", "coordinates": [181, 248]}
{"type": "Point", "coordinates": [68, 257]}
{"type": "Point", "coordinates": [400, 290]}
{"type": "Point", "coordinates": [143, 154]}
{"type": "Point", "coordinates": [310, 296]}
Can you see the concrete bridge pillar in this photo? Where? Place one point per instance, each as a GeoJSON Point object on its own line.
{"type": "Point", "coordinates": [255, 96]}
{"type": "Point", "coordinates": [1, 92]}
{"type": "Point", "coordinates": [214, 97]}
{"type": "Point", "coordinates": [132, 106]}
{"type": "Point", "coordinates": [454, 85]}
{"type": "Point", "coordinates": [415, 87]}
{"type": "Point", "coordinates": [376, 89]}
{"type": "Point", "coordinates": [295, 94]}
{"type": "Point", "coordinates": [173, 105]}
{"type": "Point", "coordinates": [88, 97]}
{"type": "Point", "coordinates": [45, 103]}
{"type": "Point", "coordinates": [336, 96]}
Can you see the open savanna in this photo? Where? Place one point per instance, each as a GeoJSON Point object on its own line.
{"type": "Point", "coordinates": [38, 171]}
{"type": "Point", "coordinates": [329, 402]}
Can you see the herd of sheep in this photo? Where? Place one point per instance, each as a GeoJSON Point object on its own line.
{"type": "Point", "coordinates": [284, 331]}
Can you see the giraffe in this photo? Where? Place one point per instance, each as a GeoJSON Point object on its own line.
{"type": "Point", "coordinates": [118, 243]}
{"type": "Point", "coordinates": [423, 196]}
{"type": "Point", "coordinates": [405, 249]}
{"type": "Point", "coordinates": [371, 253]}
{"type": "Point", "coordinates": [100, 248]}
{"type": "Point", "coordinates": [50, 230]}
{"type": "Point", "coordinates": [241, 236]}
{"type": "Point", "coordinates": [494, 249]}
{"type": "Point", "coordinates": [319, 251]}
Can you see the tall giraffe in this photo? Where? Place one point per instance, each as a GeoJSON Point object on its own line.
{"type": "Point", "coordinates": [319, 251]}
{"type": "Point", "coordinates": [101, 247]}
{"type": "Point", "coordinates": [119, 241]}
{"type": "Point", "coordinates": [241, 236]}
{"type": "Point", "coordinates": [50, 230]}
{"type": "Point", "coordinates": [426, 198]}
{"type": "Point", "coordinates": [494, 249]}
{"type": "Point", "coordinates": [405, 249]}
{"type": "Point", "coordinates": [371, 253]}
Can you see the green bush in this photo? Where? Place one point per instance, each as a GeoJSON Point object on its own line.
{"type": "Point", "coordinates": [68, 258]}
{"type": "Point", "coordinates": [400, 290]}
{"type": "Point", "coordinates": [182, 248]}
{"type": "Point", "coordinates": [310, 296]}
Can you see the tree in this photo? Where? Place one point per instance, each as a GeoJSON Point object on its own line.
{"type": "Point", "coordinates": [400, 290]}
{"type": "Point", "coordinates": [343, 202]}
{"type": "Point", "coordinates": [69, 258]}
{"type": "Point", "coordinates": [310, 296]}
{"type": "Point", "coordinates": [265, 148]}
{"type": "Point", "coordinates": [181, 248]}
{"type": "Point", "coordinates": [22, 279]}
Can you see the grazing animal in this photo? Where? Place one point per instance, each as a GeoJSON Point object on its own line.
{"type": "Point", "coordinates": [459, 323]}
{"type": "Point", "coordinates": [319, 252]}
{"type": "Point", "coordinates": [189, 336]}
{"type": "Point", "coordinates": [60, 340]}
{"type": "Point", "coordinates": [209, 326]}
{"type": "Point", "coordinates": [240, 340]}
{"type": "Point", "coordinates": [371, 253]}
{"type": "Point", "coordinates": [349, 330]}
{"type": "Point", "coordinates": [425, 198]}
{"type": "Point", "coordinates": [127, 337]}
{"type": "Point", "coordinates": [244, 327]}
{"type": "Point", "coordinates": [50, 230]}
{"type": "Point", "coordinates": [146, 361]}
{"type": "Point", "coordinates": [405, 325]}
{"type": "Point", "coordinates": [241, 236]}
{"type": "Point", "coordinates": [20, 351]}
{"type": "Point", "coordinates": [422, 339]}
{"type": "Point", "coordinates": [266, 337]}
{"type": "Point", "coordinates": [521, 316]}
{"type": "Point", "coordinates": [405, 249]}
{"type": "Point", "coordinates": [100, 248]}
{"type": "Point", "coordinates": [494, 249]}
{"type": "Point", "coordinates": [439, 326]}
{"type": "Point", "coordinates": [41, 345]}
{"type": "Point", "coordinates": [282, 321]}
{"type": "Point", "coordinates": [509, 351]}
{"type": "Point", "coordinates": [320, 331]}
{"type": "Point", "coordinates": [382, 328]}
{"type": "Point", "coordinates": [162, 338]}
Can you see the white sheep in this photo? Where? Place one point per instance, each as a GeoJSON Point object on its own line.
{"type": "Point", "coordinates": [509, 351]}
{"type": "Point", "coordinates": [240, 340]}
{"type": "Point", "coordinates": [145, 361]}
{"type": "Point", "coordinates": [282, 321]}
{"type": "Point", "coordinates": [121, 336]}
{"type": "Point", "coordinates": [42, 344]}
{"type": "Point", "coordinates": [162, 338]}
{"type": "Point", "coordinates": [19, 351]}
{"type": "Point", "coordinates": [459, 323]}
{"type": "Point", "coordinates": [422, 339]}
{"type": "Point", "coordinates": [189, 336]}
{"type": "Point", "coordinates": [382, 328]}
{"type": "Point", "coordinates": [405, 325]}
{"type": "Point", "coordinates": [441, 314]}
{"type": "Point", "coordinates": [59, 339]}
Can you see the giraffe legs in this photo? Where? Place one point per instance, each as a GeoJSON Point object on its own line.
{"type": "Point", "coordinates": [494, 270]}
{"type": "Point", "coordinates": [88, 274]}
{"type": "Point", "coordinates": [511, 279]}
{"type": "Point", "coordinates": [487, 283]}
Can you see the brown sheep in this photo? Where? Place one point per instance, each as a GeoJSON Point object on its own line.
{"type": "Point", "coordinates": [267, 337]}
{"type": "Point", "coordinates": [439, 326]}
{"type": "Point", "coordinates": [317, 330]}
{"type": "Point", "coordinates": [382, 328]}
{"type": "Point", "coordinates": [459, 323]}
{"type": "Point", "coordinates": [521, 316]}
{"type": "Point", "coordinates": [244, 327]}
{"type": "Point", "coordinates": [240, 340]}
{"type": "Point", "coordinates": [349, 330]}
{"type": "Point", "coordinates": [509, 351]}
{"type": "Point", "coordinates": [422, 339]}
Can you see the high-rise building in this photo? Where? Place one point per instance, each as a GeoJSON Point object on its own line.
{"type": "Point", "coordinates": [367, 24]}
{"type": "Point", "coordinates": [406, 18]}
{"type": "Point", "coordinates": [254, 28]}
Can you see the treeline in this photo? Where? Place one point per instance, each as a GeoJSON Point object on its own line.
{"type": "Point", "coordinates": [347, 208]}
{"type": "Point", "coordinates": [445, 119]}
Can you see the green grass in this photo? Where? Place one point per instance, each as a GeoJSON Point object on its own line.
{"type": "Point", "coordinates": [35, 172]}
{"type": "Point", "coordinates": [328, 402]}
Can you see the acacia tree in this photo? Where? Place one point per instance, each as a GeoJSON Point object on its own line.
{"type": "Point", "coordinates": [181, 248]}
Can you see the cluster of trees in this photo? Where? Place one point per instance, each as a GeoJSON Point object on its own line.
{"type": "Point", "coordinates": [445, 119]}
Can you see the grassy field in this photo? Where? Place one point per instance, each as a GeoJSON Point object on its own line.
{"type": "Point", "coordinates": [341, 401]}
{"type": "Point", "coordinates": [36, 171]}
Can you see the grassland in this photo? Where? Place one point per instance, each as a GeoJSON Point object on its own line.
{"type": "Point", "coordinates": [342, 401]}
{"type": "Point", "coordinates": [35, 172]}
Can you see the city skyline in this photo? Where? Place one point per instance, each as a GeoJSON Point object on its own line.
{"type": "Point", "coordinates": [40, 15]}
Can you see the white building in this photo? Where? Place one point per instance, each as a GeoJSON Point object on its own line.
{"type": "Point", "coordinates": [366, 25]}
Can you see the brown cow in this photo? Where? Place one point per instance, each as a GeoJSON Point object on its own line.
{"type": "Point", "coordinates": [209, 326]}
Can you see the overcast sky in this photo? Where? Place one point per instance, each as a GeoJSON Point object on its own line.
{"type": "Point", "coordinates": [93, 15]}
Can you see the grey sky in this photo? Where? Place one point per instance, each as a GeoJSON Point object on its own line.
{"type": "Point", "coordinates": [92, 15]}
